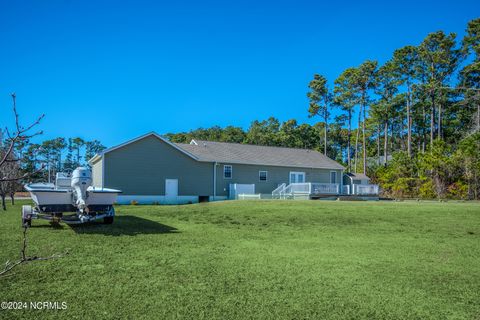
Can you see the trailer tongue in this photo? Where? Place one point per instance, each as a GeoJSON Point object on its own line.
{"type": "Point", "coordinates": [73, 194]}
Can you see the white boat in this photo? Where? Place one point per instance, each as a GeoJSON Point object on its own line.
{"type": "Point", "coordinates": [70, 194]}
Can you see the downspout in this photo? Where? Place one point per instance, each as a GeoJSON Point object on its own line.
{"type": "Point", "coordinates": [214, 180]}
{"type": "Point", "coordinates": [103, 171]}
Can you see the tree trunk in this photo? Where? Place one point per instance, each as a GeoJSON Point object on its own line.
{"type": "Point", "coordinates": [4, 205]}
{"type": "Point", "coordinates": [364, 143]}
{"type": "Point", "coordinates": [378, 144]}
{"type": "Point", "coordinates": [385, 143]}
{"type": "Point", "coordinates": [409, 125]}
{"type": "Point", "coordinates": [424, 129]}
{"type": "Point", "coordinates": [401, 134]}
{"type": "Point", "coordinates": [78, 156]}
{"type": "Point", "coordinates": [12, 198]}
{"type": "Point", "coordinates": [348, 140]}
{"type": "Point", "coordinates": [432, 121]}
{"type": "Point", "coordinates": [439, 125]}
{"type": "Point", "coordinates": [357, 137]}
{"type": "Point", "coordinates": [392, 130]}
{"type": "Point", "coordinates": [325, 132]}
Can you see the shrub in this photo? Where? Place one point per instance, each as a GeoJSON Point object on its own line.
{"type": "Point", "coordinates": [134, 202]}
{"type": "Point", "coordinates": [404, 187]}
{"type": "Point", "coordinates": [427, 190]}
{"type": "Point", "coordinates": [457, 190]}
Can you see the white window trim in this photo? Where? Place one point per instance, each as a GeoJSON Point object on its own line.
{"type": "Point", "coordinates": [297, 172]}
{"type": "Point", "coordinates": [336, 177]}
{"type": "Point", "coordinates": [231, 171]}
{"type": "Point", "coordinates": [266, 175]}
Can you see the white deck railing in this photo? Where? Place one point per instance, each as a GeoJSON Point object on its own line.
{"type": "Point", "coordinates": [244, 196]}
{"type": "Point", "coordinates": [277, 192]}
{"type": "Point", "coordinates": [365, 189]}
{"type": "Point", "coordinates": [298, 188]}
{"type": "Point", "coordinates": [306, 188]}
{"type": "Point", "coordinates": [284, 191]}
{"type": "Point", "coordinates": [325, 188]}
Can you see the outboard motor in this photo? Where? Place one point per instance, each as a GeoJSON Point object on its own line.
{"type": "Point", "coordinates": [81, 180]}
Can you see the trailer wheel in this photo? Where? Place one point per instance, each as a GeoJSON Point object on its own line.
{"type": "Point", "coordinates": [108, 220]}
{"type": "Point", "coordinates": [26, 216]}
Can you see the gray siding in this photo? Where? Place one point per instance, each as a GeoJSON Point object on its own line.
{"type": "Point", "coordinates": [248, 174]}
{"type": "Point", "coordinates": [141, 168]}
{"type": "Point", "coordinates": [97, 168]}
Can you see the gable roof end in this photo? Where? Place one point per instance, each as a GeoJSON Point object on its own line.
{"type": "Point", "coordinates": [156, 135]}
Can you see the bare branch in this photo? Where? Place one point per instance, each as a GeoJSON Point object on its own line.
{"type": "Point", "coordinates": [19, 135]}
{"type": "Point", "coordinates": [24, 258]}
{"type": "Point", "coordinates": [26, 175]}
{"type": "Point", "coordinates": [8, 152]}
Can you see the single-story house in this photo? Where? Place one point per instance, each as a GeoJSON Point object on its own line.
{"type": "Point", "coordinates": [152, 169]}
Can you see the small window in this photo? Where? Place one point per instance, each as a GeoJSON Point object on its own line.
{"type": "Point", "coordinates": [333, 177]}
{"type": "Point", "coordinates": [227, 172]}
{"type": "Point", "coordinates": [262, 175]}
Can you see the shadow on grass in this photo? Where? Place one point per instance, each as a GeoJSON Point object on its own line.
{"type": "Point", "coordinates": [49, 226]}
{"type": "Point", "coordinates": [124, 226]}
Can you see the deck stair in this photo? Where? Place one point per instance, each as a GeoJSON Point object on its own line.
{"type": "Point", "coordinates": [276, 194]}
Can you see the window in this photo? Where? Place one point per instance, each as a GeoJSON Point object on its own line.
{"type": "Point", "coordinates": [227, 172]}
{"type": "Point", "coordinates": [262, 175]}
{"type": "Point", "coordinates": [333, 177]}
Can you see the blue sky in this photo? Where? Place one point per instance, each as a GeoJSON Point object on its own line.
{"type": "Point", "coordinates": [113, 70]}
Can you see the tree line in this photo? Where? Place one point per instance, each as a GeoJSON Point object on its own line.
{"type": "Point", "coordinates": [412, 123]}
{"type": "Point", "coordinates": [56, 155]}
{"type": "Point", "coordinates": [39, 162]}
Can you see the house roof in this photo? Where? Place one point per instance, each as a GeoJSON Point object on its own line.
{"type": "Point", "coordinates": [360, 176]}
{"type": "Point", "coordinates": [209, 151]}
{"type": "Point", "coordinates": [224, 152]}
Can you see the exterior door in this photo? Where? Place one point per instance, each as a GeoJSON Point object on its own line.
{"type": "Point", "coordinates": [171, 187]}
{"type": "Point", "coordinates": [297, 177]}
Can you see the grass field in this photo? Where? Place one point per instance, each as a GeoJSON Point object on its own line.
{"type": "Point", "coordinates": [254, 259]}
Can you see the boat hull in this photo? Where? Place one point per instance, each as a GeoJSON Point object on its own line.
{"type": "Point", "coordinates": [102, 196]}
{"type": "Point", "coordinates": [48, 199]}
{"type": "Point", "coordinates": [51, 197]}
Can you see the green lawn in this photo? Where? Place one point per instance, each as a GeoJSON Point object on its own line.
{"type": "Point", "coordinates": [254, 259]}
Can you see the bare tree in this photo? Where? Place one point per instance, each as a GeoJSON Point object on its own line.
{"type": "Point", "coordinates": [10, 175]}
{"type": "Point", "coordinates": [18, 135]}
{"type": "Point", "coordinates": [8, 170]}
